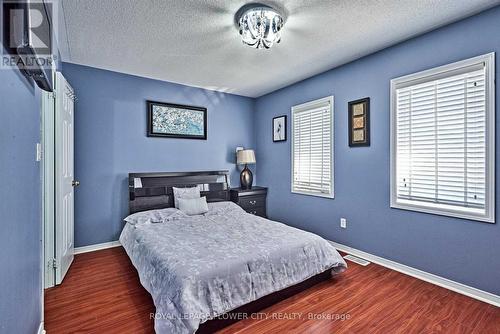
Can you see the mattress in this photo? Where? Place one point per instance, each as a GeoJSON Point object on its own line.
{"type": "Point", "coordinates": [199, 267]}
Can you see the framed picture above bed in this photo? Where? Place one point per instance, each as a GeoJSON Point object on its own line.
{"type": "Point", "coordinates": [176, 121]}
{"type": "Point", "coordinates": [279, 128]}
{"type": "Point", "coordinates": [359, 122]}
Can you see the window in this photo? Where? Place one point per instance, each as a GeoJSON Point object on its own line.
{"type": "Point", "coordinates": [442, 140]}
{"type": "Point", "coordinates": [312, 148]}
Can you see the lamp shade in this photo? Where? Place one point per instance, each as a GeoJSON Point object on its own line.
{"type": "Point", "coordinates": [245, 157]}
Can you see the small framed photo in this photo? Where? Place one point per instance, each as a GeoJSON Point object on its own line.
{"type": "Point", "coordinates": [279, 128]}
{"type": "Point", "coordinates": [359, 122]}
{"type": "Point", "coordinates": [176, 121]}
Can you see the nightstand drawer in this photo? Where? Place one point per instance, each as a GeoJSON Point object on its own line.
{"type": "Point", "coordinates": [261, 211]}
{"type": "Point", "coordinates": [249, 202]}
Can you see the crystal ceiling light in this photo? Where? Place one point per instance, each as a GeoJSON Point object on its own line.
{"type": "Point", "coordinates": [259, 25]}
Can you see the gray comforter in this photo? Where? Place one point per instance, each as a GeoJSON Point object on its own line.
{"type": "Point", "coordinates": [199, 267]}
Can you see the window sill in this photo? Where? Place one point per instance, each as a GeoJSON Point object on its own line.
{"type": "Point", "coordinates": [330, 196]}
{"type": "Point", "coordinates": [444, 210]}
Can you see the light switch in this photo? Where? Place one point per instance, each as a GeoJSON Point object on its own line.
{"type": "Point", "coordinates": [39, 152]}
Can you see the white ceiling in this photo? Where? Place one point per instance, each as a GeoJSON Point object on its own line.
{"type": "Point", "coordinates": [195, 42]}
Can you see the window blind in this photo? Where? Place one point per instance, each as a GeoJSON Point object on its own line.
{"type": "Point", "coordinates": [441, 139]}
{"type": "Point", "coordinates": [312, 148]}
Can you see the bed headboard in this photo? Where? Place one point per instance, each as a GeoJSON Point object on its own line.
{"type": "Point", "coordinates": [148, 191]}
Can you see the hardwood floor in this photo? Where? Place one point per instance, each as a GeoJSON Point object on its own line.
{"type": "Point", "coordinates": [102, 294]}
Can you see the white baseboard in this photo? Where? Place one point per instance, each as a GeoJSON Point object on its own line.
{"type": "Point", "coordinates": [96, 247]}
{"type": "Point", "coordinates": [40, 329]}
{"type": "Point", "coordinates": [463, 289]}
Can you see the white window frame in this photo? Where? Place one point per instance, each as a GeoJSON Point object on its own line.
{"type": "Point", "coordinates": [312, 105]}
{"type": "Point", "coordinates": [442, 209]}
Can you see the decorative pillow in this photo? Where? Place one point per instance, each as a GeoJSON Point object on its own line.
{"type": "Point", "coordinates": [185, 193]}
{"type": "Point", "coordinates": [193, 206]}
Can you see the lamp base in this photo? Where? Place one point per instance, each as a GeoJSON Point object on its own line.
{"type": "Point", "coordinates": [246, 178]}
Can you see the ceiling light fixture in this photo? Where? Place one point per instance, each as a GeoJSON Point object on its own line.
{"type": "Point", "coordinates": [259, 25]}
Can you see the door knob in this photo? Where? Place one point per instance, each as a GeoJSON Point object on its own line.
{"type": "Point", "coordinates": [75, 183]}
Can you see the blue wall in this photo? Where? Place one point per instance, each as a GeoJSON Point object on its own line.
{"type": "Point", "coordinates": [462, 250]}
{"type": "Point", "coordinates": [111, 141]}
{"type": "Point", "coordinates": [20, 255]}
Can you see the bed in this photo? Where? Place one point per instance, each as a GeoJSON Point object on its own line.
{"type": "Point", "coordinates": [198, 268]}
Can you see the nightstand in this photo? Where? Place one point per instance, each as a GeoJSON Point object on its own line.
{"type": "Point", "coordinates": [251, 200]}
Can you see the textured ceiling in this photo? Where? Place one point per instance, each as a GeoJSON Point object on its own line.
{"type": "Point", "coordinates": [195, 42]}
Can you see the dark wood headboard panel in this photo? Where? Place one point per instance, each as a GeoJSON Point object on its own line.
{"type": "Point", "coordinates": [148, 191]}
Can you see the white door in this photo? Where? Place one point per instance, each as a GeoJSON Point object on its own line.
{"type": "Point", "coordinates": [64, 177]}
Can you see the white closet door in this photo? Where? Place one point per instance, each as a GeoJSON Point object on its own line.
{"type": "Point", "coordinates": [65, 183]}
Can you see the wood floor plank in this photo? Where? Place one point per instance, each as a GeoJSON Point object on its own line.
{"type": "Point", "coordinates": [102, 294]}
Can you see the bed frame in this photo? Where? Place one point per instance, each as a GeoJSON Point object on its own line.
{"type": "Point", "coordinates": [149, 191]}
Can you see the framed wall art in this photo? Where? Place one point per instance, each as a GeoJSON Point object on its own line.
{"type": "Point", "coordinates": [176, 121]}
{"type": "Point", "coordinates": [359, 122]}
{"type": "Point", "coordinates": [279, 128]}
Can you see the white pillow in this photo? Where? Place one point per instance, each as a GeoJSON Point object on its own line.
{"type": "Point", "coordinates": [193, 206]}
{"type": "Point", "coordinates": [185, 193]}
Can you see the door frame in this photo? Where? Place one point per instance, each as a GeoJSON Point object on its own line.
{"type": "Point", "coordinates": [48, 188]}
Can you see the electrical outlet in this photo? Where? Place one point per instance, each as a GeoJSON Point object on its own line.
{"type": "Point", "coordinates": [343, 223]}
